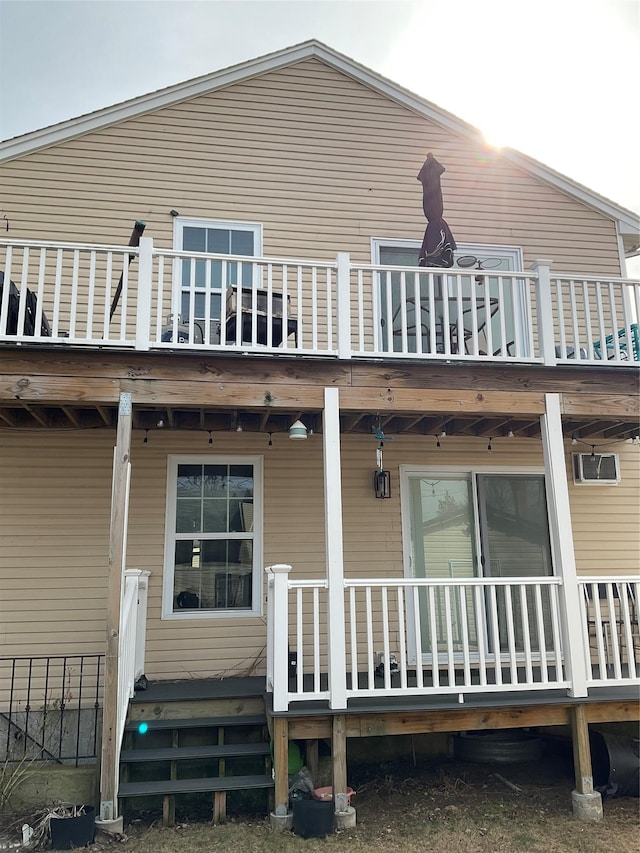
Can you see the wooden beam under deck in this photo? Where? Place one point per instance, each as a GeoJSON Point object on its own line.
{"type": "Point", "coordinates": [466, 719]}
{"type": "Point", "coordinates": [402, 393]}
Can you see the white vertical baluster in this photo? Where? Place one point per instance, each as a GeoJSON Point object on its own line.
{"type": "Point", "coordinates": [613, 631]}
{"type": "Point", "coordinates": [385, 637]}
{"type": "Point", "coordinates": [508, 610]}
{"type": "Point", "coordinates": [360, 292]}
{"type": "Point", "coordinates": [91, 294]}
{"type": "Point", "coordinates": [418, 636]}
{"type": "Point", "coordinates": [316, 639]}
{"type": "Point", "coordinates": [625, 615]}
{"type": "Point", "coordinates": [541, 634]}
{"type": "Point", "coordinates": [402, 638]}
{"type": "Point", "coordinates": [24, 280]}
{"type": "Point", "coordinates": [353, 623]}
{"type": "Point", "coordinates": [108, 276]}
{"type": "Point", "coordinates": [42, 269]}
{"type": "Point", "coordinates": [370, 649]}
{"type": "Point", "coordinates": [555, 631]}
{"type": "Point", "coordinates": [74, 295]}
{"type": "Point", "coordinates": [451, 667]}
{"type": "Point", "coordinates": [526, 638]}
{"type": "Point", "coordinates": [493, 615]}
{"type": "Point", "coordinates": [435, 669]}
{"type": "Point", "coordinates": [464, 627]}
{"type": "Point", "coordinates": [478, 596]}
{"type": "Point", "coordinates": [300, 640]}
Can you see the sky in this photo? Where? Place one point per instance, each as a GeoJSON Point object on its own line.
{"type": "Point", "coordinates": [558, 80]}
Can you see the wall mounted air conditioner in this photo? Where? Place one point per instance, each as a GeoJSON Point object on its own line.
{"type": "Point", "coordinates": [596, 469]}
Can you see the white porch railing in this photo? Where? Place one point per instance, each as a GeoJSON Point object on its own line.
{"type": "Point", "coordinates": [410, 637]}
{"type": "Point", "coordinates": [611, 629]}
{"type": "Point", "coordinates": [147, 298]}
{"type": "Point", "coordinates": [131, 645]}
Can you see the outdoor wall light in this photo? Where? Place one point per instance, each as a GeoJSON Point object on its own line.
{"type": "Point", "coordinates": [382, 483]}
{"type": "Point", "coordinates": [298, 431]}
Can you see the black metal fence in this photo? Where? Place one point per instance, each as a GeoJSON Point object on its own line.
{"type": "Point", "coordinates": [51, 708]}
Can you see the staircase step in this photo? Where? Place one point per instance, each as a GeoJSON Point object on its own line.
{"type": "Point", "coordinates": [199, 723]}
{"type": "Point", "coordinates": [176, 753]}
{"type": "Point", "coordinates": [190, 786]}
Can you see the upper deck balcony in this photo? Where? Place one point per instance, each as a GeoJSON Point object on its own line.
{"type": "Point", "coordinates": [145, 298]}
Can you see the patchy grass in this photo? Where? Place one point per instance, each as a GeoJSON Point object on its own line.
{"type": "Point", "coordinates": [435, 806]}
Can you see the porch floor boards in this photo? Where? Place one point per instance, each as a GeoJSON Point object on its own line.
{"type": "Point", "coordinates": [254, 686]}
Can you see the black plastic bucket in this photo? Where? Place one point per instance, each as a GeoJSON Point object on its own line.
{"type": "Point", "coordinates": [70, 832]}
{"type": "Point", "coordinates": [615, 760]}
{"type": "Point", "coordinates": [313, 818]}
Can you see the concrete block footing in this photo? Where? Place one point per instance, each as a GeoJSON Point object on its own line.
{"type": "Point", "coordinates": [115, 827]}
{"type": "Point", "coordinates": [281, 822]}
{"type": "Point", "coordinates": [345, 820]}
{"type": "Point", "coordinates": [587, 807]}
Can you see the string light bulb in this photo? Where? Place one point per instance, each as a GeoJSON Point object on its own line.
{"type": "Point", "coordinates": [489, 446]}
{"type": "Point", "coordinates": [510, 434]}
{"type": "Point", "coordinates": [438, 441]}
{"type": "Point", "coordinates": [210, 437]}
{"type": "Point", "coordinates": [145, 440]}
{"type": "Point", "coordinates": [593, 451]}
{"type": "Point", "coordinates": [574, 440]}
{"type": "Point", "coordinates": [270, 442]}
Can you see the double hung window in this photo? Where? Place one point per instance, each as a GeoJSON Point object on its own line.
{"type": "Point", "coordinates": [202, 284]}
{"type": "Point", "coordinates": [213, 536]}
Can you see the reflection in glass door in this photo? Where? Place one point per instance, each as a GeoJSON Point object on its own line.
{"type": "Point", "coordinates": [514, 532]}
{"type": "Point", "coordinates": [443, 546]}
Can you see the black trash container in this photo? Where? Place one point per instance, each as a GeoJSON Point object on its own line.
{"type": "Point", "coordinates": [615, 761]}
{"type": "Point", "coordinates": [68, 833]}
{"type": "Point", "coordinates": [313, 818]}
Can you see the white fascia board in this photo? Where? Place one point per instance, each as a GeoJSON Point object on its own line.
{"type": "Point", "coordinates": [629, 222]}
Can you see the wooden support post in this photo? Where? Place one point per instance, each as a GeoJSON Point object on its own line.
{"type": "Point", "coordinates": [339, 761]}
{"type": "Point", "coordinates": [581, 750]}
{"type": "Point", "coordinates": [311, 750]}
{"type": "Point", "coordinates": [281, 763]}
{"type": "Point", "coordinates": [220, 797]}
{"type": "Point", "coordinates": [117, 546]}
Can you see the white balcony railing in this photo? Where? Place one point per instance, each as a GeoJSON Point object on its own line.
{"type": "Point", "coordinates": [610, 629]}
{"type": "Point", "coordinates": [416, 637]}
{"type": "Point", "coordinates": [147, 298]}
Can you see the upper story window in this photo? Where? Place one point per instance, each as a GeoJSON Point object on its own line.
{"type": "Point", "coordinates": [213, 542]}
{"type": "Point", "coordinates": [203, 283]}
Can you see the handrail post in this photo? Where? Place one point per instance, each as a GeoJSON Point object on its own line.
{"type": "Point", "coordinates": [143, 305]}
{"type": "Point", "coordinates": [544, 310]}
{"type": "Point", "coordinates": [562, 541]}
{"type": "Point", "coordinates": [337, 655]}
{"type": "Point", "coordinates": [142, 591]}
{"type": "Point", "coordinates": [280, 629]}
{"type": "Point", "coordinates": [343, 304]}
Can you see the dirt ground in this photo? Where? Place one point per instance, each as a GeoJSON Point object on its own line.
{"type": "Point", "coordinates": [437, 805]}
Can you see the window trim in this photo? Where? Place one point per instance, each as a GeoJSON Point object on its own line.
{"type": "Point", "coordinates": [173, 460]}
{"type": "Point", "coordinates": [181, 222]}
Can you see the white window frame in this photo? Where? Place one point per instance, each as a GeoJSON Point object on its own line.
{"type": "Point", "coordinates": [182, 222]}
{"type": "Point", "coordinates": [490, 249]}
{"type": "Point", "coordinates": [173, 460]}
{"type": "Point", "coordinates": [433, 472]}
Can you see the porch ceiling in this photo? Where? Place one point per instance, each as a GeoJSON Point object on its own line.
{"type": "Point", "coordinates": [33, 416]}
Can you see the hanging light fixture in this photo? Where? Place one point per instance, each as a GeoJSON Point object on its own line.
{"type": "Point", "coordinates": [297, 431]}
{"type": "Point", "coordinates": [381, 478]}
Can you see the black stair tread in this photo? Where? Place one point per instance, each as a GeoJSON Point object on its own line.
{"type": "Point", "coordinates": [190, 786]}
{"type": "Point", "coordinates": [199, 722]}
{"type": "Point", "coordinates": [214, 688]}
{"type": "Point", "coordinates": [175, 753]}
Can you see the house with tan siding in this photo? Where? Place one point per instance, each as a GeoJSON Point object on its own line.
{"type": "Point", "coordinates": [259, 468]}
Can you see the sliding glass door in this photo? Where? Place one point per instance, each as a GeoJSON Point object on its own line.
{"type": "Point", "coordinates": [467, 525]}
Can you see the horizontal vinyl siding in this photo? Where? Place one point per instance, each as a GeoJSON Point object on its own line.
{"type": "Point", "coordinates": [54, 527]}
{"type": "Point", "coordinates": [322, 161]}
